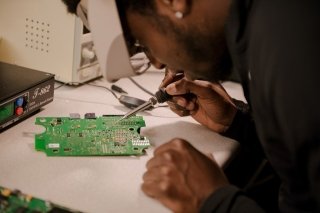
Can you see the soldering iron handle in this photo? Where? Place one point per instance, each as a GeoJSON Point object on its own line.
{"type": "Point", "coordinates": [162, 96]}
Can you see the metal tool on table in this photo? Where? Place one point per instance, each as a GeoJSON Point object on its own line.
{"type": "Point", "coordinates": [161, 96]}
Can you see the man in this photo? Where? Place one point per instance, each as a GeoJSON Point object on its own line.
{"type": "Point", "coordinates": [274, 47]}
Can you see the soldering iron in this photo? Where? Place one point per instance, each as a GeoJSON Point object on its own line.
{"type": "Point", "coordinates": [160, 96]}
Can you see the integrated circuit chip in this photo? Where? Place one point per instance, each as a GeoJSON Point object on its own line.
{"type": "Point", "coordinates": [14, 201]}
{"type": "Point", "coordinates": [89, 136]}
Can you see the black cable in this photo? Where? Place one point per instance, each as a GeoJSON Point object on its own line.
{"type": "Point", "coordinates": [94, 85]}
{"type": "Point", "coordinates": [62, 84]}
{"type": "Point", "coordinates": [113, 93]}
{"type": "Point", "coordinates": [67, 83]}
{"type": "Point", "coordinates": [118, 89]}
{"type": "Point", "coordinates": [128, 101]}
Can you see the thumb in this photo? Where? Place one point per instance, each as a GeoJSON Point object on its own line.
{"type": "Point", "coordinates": [183, 86]}
{"type": "Point", "coordinates": [171, 76]}
{"type": "Point", "coordinates": [200, 88]}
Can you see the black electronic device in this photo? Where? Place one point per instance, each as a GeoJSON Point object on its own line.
{"type": "Point", "coordinates": [131, 102]}
{"type": "Point", "coordinates": [23, 91]}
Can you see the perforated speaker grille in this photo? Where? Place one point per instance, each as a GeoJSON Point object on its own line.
{"type": "Point", "coordinates": [37, 35]}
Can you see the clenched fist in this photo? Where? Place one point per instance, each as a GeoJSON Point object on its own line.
{"type": "Point", "coordinates": [181, 177]}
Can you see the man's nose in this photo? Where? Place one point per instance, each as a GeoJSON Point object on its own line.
{"type": "Point", "coordinates": [155, 62]}
{"type": "Point", "coordinates": [158, 64]}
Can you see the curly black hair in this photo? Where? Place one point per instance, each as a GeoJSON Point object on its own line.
{"type": "Point", "coordinates": [144, 7]}
{"type": "Point", "coordinates": [71, 5]}
{"type": "Point", "coordinates": [141, 6]}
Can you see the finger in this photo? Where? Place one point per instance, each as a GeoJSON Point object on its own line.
{"type": "Point", "coordinates": [202, 89]}
{"type": "Point", "coordinates": [176, 88]}
{"type": "Point", "coordinates": [218, 88]}
{"type": "Point", "coordinates": [163, 172]}
{"type": "Point", "coordinates": [178, 109]}
{"type": "Point", "coordinates": [164, 178]}
{"type": "Point", "coordinates": [152, 174]}
{"type": "Point", "coordinates": [151, 188]}
{"type": "Point", "coordinates": [162, 159]}
{"type": "Point", "coordinates": [180, 152]}
{"type": "Point", "coordinates": [165, 193]}
{"type": "Point", "coordinates": [156, 176]}
{"type": "Point", "coordinates": [168, 78]}
{"type": "Point", "coordinates": [189, 105]}
{"type": "Point", "coordinates": [171, 76]}
{"type": "Point", "coordinates": [176, 144]}
{"type": "Point", "coordinates": [161, 190]}
{"type": "Point", "coordinates": [185, 86]}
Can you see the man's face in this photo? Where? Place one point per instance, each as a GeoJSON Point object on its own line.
{"type": "Point", "coordinates": [196, 49]}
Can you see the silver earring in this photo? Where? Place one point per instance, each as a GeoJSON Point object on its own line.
{"type": "Point", "coordinates": [167, 1]}
{"type": "Point", "coordinates": [179, 15]}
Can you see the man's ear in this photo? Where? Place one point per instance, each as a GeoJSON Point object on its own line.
{"type": "Point", "coordinates": [180, 6]}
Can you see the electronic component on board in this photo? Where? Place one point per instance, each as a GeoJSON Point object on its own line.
{"type": "Point", "coordinates": [14, 201]}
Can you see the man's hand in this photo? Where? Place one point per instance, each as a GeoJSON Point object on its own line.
{"type": "Point", "coordinates": [181, 177]}
{"type": "Point", "coordinates": [208, 103]}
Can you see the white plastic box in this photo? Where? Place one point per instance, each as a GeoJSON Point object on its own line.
{"type": "Point", "coordinates": [42, 35]}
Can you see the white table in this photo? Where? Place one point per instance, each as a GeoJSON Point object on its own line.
{"type": "Point", "coordinates": [100, 184]}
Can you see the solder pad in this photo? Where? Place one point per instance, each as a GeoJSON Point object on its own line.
{"type": "Point", "coordinates": [13, 201]}
{"type": "Point", "coordinates": [106, 135]}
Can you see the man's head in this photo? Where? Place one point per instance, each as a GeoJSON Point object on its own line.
{"type": "Point", "coordinates": [71, 5]}
{"type": "Point", "coordinates": [181, 34]}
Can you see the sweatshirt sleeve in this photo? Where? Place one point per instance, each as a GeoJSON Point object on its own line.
{"type": "Point", "coordinates": [229, 199]}
{"type": "Point", "coordinates": [243, 128]}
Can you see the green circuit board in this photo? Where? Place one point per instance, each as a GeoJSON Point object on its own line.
{"type": "Point", "coordinates": [90, 136]}
{"type": "Point", "coordinates": [14, 201]}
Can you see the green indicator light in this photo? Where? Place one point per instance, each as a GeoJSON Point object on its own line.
{"type": "Point", "coordinates": [6, 111]}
